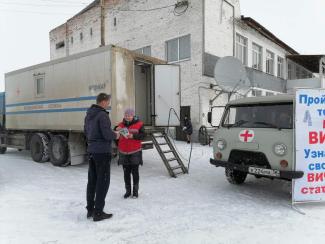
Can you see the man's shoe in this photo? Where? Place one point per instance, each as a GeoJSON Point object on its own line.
{"type": "Point", "coordinates": [102, 216]}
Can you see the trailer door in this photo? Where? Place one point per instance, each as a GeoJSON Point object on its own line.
{"type": "Point", "coordinates": [167, 94]}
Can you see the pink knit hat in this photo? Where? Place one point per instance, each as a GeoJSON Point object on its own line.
{"type": "Point", "coordinates": [129, 112]}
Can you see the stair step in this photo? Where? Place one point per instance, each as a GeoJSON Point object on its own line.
{"type": "Point", "coordinates": [176, 167]}
{"type": "Point", "coordinates": [168, 151]}
{"type": "Point", "coordinates": [171, 159]}
{"type": "Point", "coordinates": [158, 136]}
{"type": "Point", "coordinates": [163, 143]}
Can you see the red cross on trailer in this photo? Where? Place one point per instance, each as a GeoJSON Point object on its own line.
{"type": "Point", "coordinates": [246, 135]}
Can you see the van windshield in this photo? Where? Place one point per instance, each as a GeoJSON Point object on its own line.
{"type": "Point", "coordinates": [259, 116]}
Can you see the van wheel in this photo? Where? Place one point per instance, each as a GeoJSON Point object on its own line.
{"type": "Point", "coordinates": [59, 151]}
{"type": "Point", "coordinates": [235, 177]}
{"type": "Point", "coordinates": [39, 147]}
{"type": "Point", "coordinates": [3, 150]}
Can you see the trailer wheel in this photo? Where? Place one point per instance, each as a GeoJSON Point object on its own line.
{"type": "Point", "coordinates": [3, 150]}
{"type": "Point", "coordinates": [39, 147]}
{"type": "Point", "coordinates": [59, 151]}
{"type": "Point", "coordinates": [235, 177]}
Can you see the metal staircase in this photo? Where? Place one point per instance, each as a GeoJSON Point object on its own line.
{"type": "Point", "coordinates": [168, 154]}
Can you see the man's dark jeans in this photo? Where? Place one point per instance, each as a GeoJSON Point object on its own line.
{"type": "Point", "coordinates": [98, 180]}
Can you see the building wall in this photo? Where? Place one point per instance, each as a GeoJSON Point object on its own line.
{"type": "Point", "coordinates": [254, 37]}
{"type": "Point", "coordinates": [209, 22]}
{"type": "Point", "coordinates": [86, 24]}
{"type": "Point", "coordinates": [135, 30]}
{"type": "Point", "coordinates": [57, 35]}
{"type": "Point", "coordinates": [218, 26]}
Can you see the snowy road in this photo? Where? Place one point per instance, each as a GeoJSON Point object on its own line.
{"type": "Point", "coordinates": [40, 203]}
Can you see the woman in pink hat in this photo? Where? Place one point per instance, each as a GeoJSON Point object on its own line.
{"type": "Point", "coordinates": [130, 150]}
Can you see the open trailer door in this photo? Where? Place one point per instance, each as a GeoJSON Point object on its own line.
{"type": "Point", "coordinates": [167, 94]}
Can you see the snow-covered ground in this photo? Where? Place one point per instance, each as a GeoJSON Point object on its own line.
{"type": "Point", "coordinates": [40, 203]}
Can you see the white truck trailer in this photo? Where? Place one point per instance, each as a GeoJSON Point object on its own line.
{"type": "Point", "coordinates": [45, 104]}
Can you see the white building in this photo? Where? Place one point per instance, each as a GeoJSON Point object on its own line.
{"type": "Point", "coordinates": [193, 34]}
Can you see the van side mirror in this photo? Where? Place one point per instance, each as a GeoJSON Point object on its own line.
{"type": "Point", "coordinates": [209, 117]}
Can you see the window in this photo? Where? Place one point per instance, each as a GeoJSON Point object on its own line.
{"type": "Point", "coordinates": [91, 31]}
{"type": "Point", "coordinates": [257, 57]}
{"type": "Point", "coordinates": [269, 93]}
{"type": "Point", "coordinates": [39, 85]}
{"type": "Point", "coordinates": [59, 45]}
{"type": "Point", "coordinates": [269, 62]}
{"type": "Point", "coordinates": [241, 49]}
{"type": "Point", "coordinates": [145, 50]}
{"type": "Point", "coordinates": [178, 49]}
{"type": "Point", "coordinates": [290, 71]}
{"type": "Point", "coordinates": [71, 39]}
{"type": "Point", "coordinates": [81, 36]}
{"type": "Point", "coordinates": [256, 93]}
{"type": "Point", "coordinates": [280, 67]}
{"type": "Point", "coordinates": [259, 116]}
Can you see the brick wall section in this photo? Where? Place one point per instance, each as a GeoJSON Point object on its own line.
{"type": "Point", "coordinates": [209, 22]}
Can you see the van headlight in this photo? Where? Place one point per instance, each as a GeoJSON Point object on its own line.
{"type": "Point", "coordinates": [221, 144]}
{"type": "Point", "coordinates": [280, 149]}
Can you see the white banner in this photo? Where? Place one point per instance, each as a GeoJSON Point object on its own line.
{"type": "Point", "coordinates": [310, 145]}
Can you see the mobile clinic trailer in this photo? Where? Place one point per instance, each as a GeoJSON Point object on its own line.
{"type": "Point", "coordinates": [46, 103]}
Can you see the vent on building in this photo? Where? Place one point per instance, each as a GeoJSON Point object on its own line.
{"type": "Point", "coordinates": [81, 36]}
{"type": "Point", "coordinates": [59, 45]}
{"type": "Point", "coordinates": [114, 21]}
{"type": "Point", "coordinates": [91, 31]}
{"type": "Point", "coordinates": [71, 39]}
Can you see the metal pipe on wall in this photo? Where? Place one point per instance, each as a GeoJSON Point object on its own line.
{"type": "Point", "coordinates": [233, 23]}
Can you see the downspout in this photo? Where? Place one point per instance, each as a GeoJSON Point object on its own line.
{"type": "Point", "coordinates": [102, 22]}
{"type": "Point", "coordinates": [233, 23]}
{"type": "Point", "coordinates": [67, 51]}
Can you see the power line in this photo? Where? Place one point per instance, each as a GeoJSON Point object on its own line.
{"type": "Point", "coordinates": [39, 5]}
{"type": "Point", "coordinates": [34, 12]}
{"type": "Point", "coordinates": [140, 10]}
{"type": "Point", "coordinates": [72, 2]}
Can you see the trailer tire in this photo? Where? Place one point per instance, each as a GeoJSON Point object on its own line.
{"type": "Point", "coordinates": [59, 151]}
{"type": "Point", "coordinates": [235, 177]}
{"type": "Point", "coordinates": [39, 147]}
{"type": "Point", "coordinates": [3, 150]}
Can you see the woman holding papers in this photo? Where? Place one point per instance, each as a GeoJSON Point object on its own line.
{"type": "Point", "coordinates": [130, 150]}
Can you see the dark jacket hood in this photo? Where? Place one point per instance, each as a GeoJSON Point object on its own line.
{"type": "Point", "coordinates": [94, 110]}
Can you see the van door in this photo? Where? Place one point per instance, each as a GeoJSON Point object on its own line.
{"type": "Point", "coordinates": [167, 94]}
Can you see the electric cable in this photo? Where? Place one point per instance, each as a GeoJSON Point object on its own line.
{"type": "Point", "coordinates": [173, 141]}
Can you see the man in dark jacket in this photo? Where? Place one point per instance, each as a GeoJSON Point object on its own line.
{"type": "Point", "coordinates": [99, 139]}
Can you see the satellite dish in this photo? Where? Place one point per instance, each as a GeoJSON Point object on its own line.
{"type": "Point", "coordinates": [230, 75]}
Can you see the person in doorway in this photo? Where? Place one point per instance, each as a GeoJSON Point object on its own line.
{"type": "Point", "coordinates": [99, 136]}
{"type": "Point", "coordinates": [130, 150]}
{"type": "Point", "coordinates": [187, 128]}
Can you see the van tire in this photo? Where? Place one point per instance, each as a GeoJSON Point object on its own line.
{"type": "Point", "coordinates": [235, 177]}
{"type": "Point", "coordinates": [59, 151]}
{"type": "Point", "coordinates": [39, 147]}
{"type": "Point", "coordinates": [3, 150]}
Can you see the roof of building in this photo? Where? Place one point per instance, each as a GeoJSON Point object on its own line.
{"type": "Point", "coordinates": [310, 62]}
{"type": "Point", "coordinates": [266, 33]}
{"type": "Point", "coordinates": [90, 6]}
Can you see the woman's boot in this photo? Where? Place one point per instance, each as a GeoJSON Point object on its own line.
{"type": "Point", "coordinates": [127, 191]}
{"type": "Point", "coordinates": [135, 191]}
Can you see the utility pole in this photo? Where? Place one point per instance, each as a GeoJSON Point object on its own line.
{"type": "Point", "coordinates": [102, 22]}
